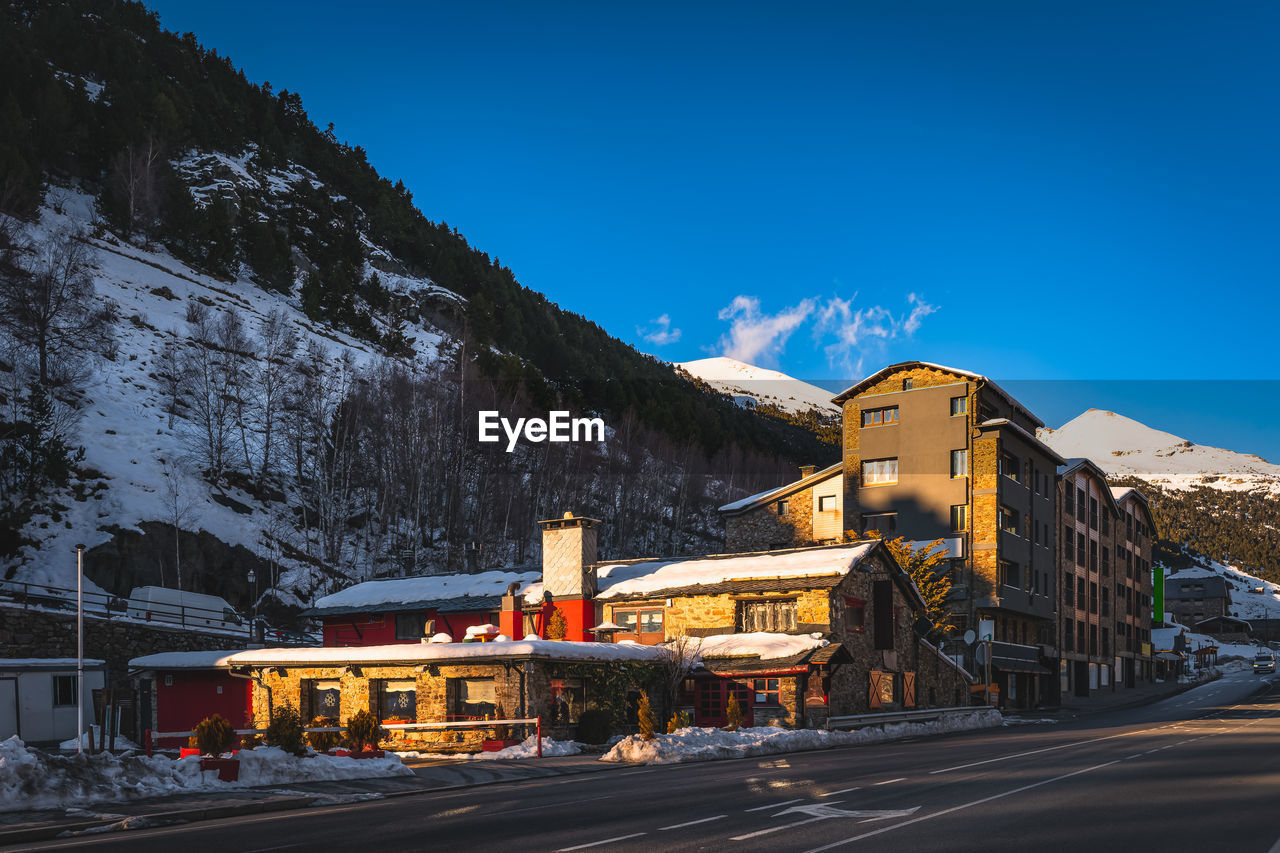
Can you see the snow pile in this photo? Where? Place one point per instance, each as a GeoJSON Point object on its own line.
{"type": "Point", "coordinates": [122, 743]}
{"type": "Point", "coordinates": [702, 744]}
{"type": "Point", "coordinates": [761, 644]}
{"type": "Point", "coordinates": [737, 378]}
{"type": "Point", "coordinates": [528, 749]}
{"type": "Point", "coordinates": [423, 652]}
{"type": "Point", "coordinates": [648, 577]}
{"type": "Point", "coordinates": [1122, 446]}
{"type": "Point", "coordinates": [32, 779]}
{"type": "Point", "coordinates": [406, 591]}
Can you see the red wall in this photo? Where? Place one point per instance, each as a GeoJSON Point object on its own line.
{"type": "Point", "coordinates": [194, 695]}
{"type": "Point", "coordinates": [365, 629]}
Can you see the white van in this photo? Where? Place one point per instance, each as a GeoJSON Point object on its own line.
{"type": "Point", "coordinates": [179, 607]}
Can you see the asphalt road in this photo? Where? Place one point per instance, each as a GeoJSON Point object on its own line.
{"type": "Point", "coordinates": [1198, 772]}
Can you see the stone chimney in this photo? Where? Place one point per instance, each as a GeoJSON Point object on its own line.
{"type": "Point", "coordinates": [808, 471]}
{"type": "Point", "coordinates": [569, 556]}
{"type": "Point", "coordinates": [511, 617]}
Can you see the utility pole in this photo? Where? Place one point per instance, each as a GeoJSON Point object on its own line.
{"type": "Point", "coordinates": [79, 648]}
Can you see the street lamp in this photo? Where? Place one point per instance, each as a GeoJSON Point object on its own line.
{"type": "Point", "coordinates": [252, 578]}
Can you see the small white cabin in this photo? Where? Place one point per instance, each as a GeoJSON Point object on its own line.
{"type": "Point", "coordinates": [38, 697]}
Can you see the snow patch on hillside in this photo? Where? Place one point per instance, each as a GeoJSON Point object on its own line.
{"type": "Point", "coordinates": [739, 379]}
{"type": "Point", "coordinates": [1121, 446]}
{"type": "Point", "coordinates": [1251, 597]}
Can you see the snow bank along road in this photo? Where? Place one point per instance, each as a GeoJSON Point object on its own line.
{"type": "Point", "coordinates": [1198, 772]}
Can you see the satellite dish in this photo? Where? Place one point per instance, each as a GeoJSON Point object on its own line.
{"type": "Point", "coordinates": [969, 637]}
{"type": "Point", "coordinates": [981, 655]}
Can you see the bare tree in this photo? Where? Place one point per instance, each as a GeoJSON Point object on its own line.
{"type": "Point", "coordinates": [277, 344]}
{"type": "Point", "coordinates": [135, 176]}
{"type": "Point", "coordinates": [180, 510]}
{"type": "Point", "coordinates": [49, 307]}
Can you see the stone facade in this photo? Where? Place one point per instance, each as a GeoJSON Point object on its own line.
{"type": "Point", "coordinates": [763, 528]}
{"type": "Point", "coordinates": [707, 615]}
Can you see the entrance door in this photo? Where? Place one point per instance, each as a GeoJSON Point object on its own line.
{"type": "Point", "coordinates": [713, 702]}
{"type": "Point", "coordinates": [8, 708]}
{"type": "Point", "coordinates": [1082, 678]}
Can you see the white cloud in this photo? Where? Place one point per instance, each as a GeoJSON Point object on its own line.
{"type": "Point", "coordinates": [660, 333]}
{"type": "Point", "coordinates": [848, 334]}
{"type": "Point", "coordinates": [759, 338]}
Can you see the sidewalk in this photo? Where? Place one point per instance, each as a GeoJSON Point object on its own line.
{"type": "Point", "coordinates": [20, 827]}
{"type": "Point", "coordinates": [1109, 700]}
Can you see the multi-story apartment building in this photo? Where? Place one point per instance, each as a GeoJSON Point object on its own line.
{"type": "Point", "coordinates": [1104, 582]}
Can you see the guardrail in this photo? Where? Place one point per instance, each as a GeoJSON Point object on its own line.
{"type": "Point", "coordinates": [924, 715]}
{"type": "Point", "coordinates": [150, 737]}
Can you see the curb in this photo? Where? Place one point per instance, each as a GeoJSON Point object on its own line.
{"type": "Point", "coordinates": [67, 830]}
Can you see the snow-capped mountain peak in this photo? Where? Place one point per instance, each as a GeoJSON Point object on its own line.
{"type": "Point", "coordinates": [1124, 447]}
{"type": "Point", "coordinates": [741, 380]}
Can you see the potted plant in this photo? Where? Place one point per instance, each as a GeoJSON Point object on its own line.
{"type": "Point", "coordinates": [285, 731]}
{"type": "Point", "coordinates": [323, 741]}
{"type": "Point", "coordinates": [501, 736]}
{"type": "Point", "coordinates": [215, 736]}
{"type": "Point", "coordinates": [363, 733]}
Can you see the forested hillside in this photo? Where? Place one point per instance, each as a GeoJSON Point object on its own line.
{"type": "Point", "coordinates": [257, 334]}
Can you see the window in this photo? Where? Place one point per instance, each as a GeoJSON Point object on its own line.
{"type": "Point", "coordinates": [410, 626]}
{"type": "Point", "coordinates": [326, 699]}
{"type": "Point", "coordinates": [882, 614]}
{"type": "Point", "coordinates": [1093, 598]}
{"type": "Point", "coordinates": [1106, 524]}
{"type": "Point", "coordinates": [1009, 467]}
{"type": "Point", "coordinates": [1069, 501]}
{"type": "Point", "coordinates": [959, 518]}
{"type": "Point", "coordinates": [1080, 593]}
{"type": "Point", "coordinates": [472, 698]}
{"type": "Point", "coordinates": [908, 384]}
{"type": "Point", "coordinates": [1093, 555]}
{"type": "Point", "coordinates": [766, 690]}
{"type": "Point", "coordinates": [1106, 560]}
{"type": "Point", "coordinates": [1010, 573]}
{"type": "Point", "coordinates": [855, 614]}
{"type": "Point", "coordinates": [64, 691]}
{"type": "Point", "coordinates": [1068, 637]}
{"type": "Point", "coordinates": [880, 417]}
{"type": "Point", "coordinates": [398, 700]}
{"type": "Point", "coordinates": [885, 522]}
{"type": "Point", "coordinates": [568, 699]}
{"type": "Point", "coordinates": [880, 472]}
{"type": "Point", "coordinates": [1069, 590]}
{"type": "Point", "coordinates": [826, 503]}
{"type": "Point", "coordinates": [773, 615]}
{"type": "Point", "coordinates": [642, 626]}
{"type": "Point", "coordinates": [959, 463]}
{"type": "Point", "coordinates": [784, 507]}
{"type": "Point", "coordinates": [1080, 636]}
{"type": "Point", "coordinates": [1080, 549]}
{"type": "Point", "coordinates": [959, 406]}
{"type": "Point", "coordinates": [1009, 520]}
{"type": "Point", "coordinates": [1093, 513]}
{"type": "Point", "coordinates": [1068, 543]}
{"type": "Point", "coordinates": [1106, 601]}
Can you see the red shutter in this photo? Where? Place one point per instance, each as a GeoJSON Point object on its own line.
{"type": "Point", "coordinates": [908, 689]}
{"type": "Point", "coordinates": [875, 689]}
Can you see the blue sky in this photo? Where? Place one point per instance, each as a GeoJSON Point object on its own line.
{"type": "Point", "coordinates": [1036, 191]}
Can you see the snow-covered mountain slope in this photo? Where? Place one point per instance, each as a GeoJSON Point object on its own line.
{"type": "Point", "coordinates": [739, 379]}
{"type": "Point", "coordinates": [1125, 447]}
{"type": "Point", "coordinates": [132, 449]}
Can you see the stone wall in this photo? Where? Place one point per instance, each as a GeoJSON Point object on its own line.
{"type": "Point", "coordinates": [762, 528]}
{"type": "Point", "coordinates": [44, 634]}
{"type": "Point", "coordinates": [705, 615]}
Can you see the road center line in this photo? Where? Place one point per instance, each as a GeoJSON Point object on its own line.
{"type": "Point", "coordinates": [691, 823]}
{"type": "Point", "coordinates": [841, 791]}
{"type": "Point", "coordinates": [960, 807]}
{"type": "Point", "coordinates": [891, 781]}
{"type": "Point", "coordinates": [775, 805]}
{"type": "Point", "coordinates": [598, 843]}
{"type": "Point", "coordinates": [774, 829]}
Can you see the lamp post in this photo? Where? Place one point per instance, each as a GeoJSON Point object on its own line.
{"type": "Point", "coordinates": [79, 648]}
{"type": "Point", "coordinates": [252, 578]}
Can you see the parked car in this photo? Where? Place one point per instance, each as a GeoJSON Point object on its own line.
{"type": "Point", "coordinates": [177, 606]}
{"type": "Point", "coordinates": [1264, 662]}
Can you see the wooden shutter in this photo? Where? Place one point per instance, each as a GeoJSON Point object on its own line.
{"type": "Point", "coordinates": [908, 689]}
{"type": "Point", "coordinates": [375, 697]}
{"type": "Point", "coordinates": [875, 689]}
{"type": "Point", "coordinates": [882, 614]}
{"type": "Point", "coordinates": [305, 709]}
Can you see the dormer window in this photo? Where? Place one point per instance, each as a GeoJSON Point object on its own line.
{"type": "Point", "coordinates": [783, 507]}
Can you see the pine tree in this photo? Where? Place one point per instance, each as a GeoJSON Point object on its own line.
{"type": "Point", "coordinates": [645, 717]}
{"type": "Point", "coordinates": [734, 712]}
{"type": "Point", "coordinates": [928, 568]}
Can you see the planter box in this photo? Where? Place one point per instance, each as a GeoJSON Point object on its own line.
{"type": "Point", "coordinates": [499, 744]}
{"type": "Point", "coordinates": [228, 768]}
{"type": "Point", "coordinates": [185, 751]}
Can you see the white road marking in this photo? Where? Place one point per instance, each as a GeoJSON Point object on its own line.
{"type": "Point", "coordinates": [960, 807]}
{"type": "Point", "coordinates": [771, 829]}
{"type": "Point", "coordinates": [775, 805]}
{"type": "Point", "coordinates": [598, 843]}
{"type": "Point", "coordinates": [826, 811]}
{"type": "Point", "coordinates": [891, 781]}
{"type": "Point", "coordinates": [841, 791]}
{"type": "Point", "coordinates": [691, 823]}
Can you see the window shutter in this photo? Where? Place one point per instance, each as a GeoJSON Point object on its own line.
{"type": "Point", "coordinates": [375, 697]}
{"type": "Point", "coordinates": [908, 689]}
{"type": "Point", "coordinates": [305, 704]}
{"type": "Point", "coordinates": [875, 690]}
{"type": "Point", "coordinates": [882, 614]}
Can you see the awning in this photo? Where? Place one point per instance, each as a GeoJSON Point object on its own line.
{"type": "Point", "coordinates": [1013, 657]}
{"type": "Point", "coordinates": [1017, 665]}
{"type": "Point", "coordinates": [1168, 656]}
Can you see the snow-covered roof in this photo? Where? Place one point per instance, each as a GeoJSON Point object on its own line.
{"type": "Point", "coordinates": [46, 663]}
{"type": "Point", "coordinates": [884, 371]}
{"type": "Point", "coordinates": [206, 659]}
{"type": "Point", "coordinates": [435, 652]}
{"type": "Point", "coordinates": [485, 589]}
{"type": "Point", "coordinates": [761, 644]}
{"type": "Point", "coordinates": [639, 578]}
{"type": "Point", "coordinates": [780, 491]}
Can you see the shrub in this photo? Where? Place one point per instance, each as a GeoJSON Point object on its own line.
{"type": "Point", "coordinates": [214, 735]}
{"type": "Point", "coordinates": [679, 720]}
{"type": "Point", "coordinates": [595, 726]}
{"type": "Point", "coordinates": [323, 741]}
{"type": "Point", "coordinates": [734, 712]}
{"type": "Point", "coordinates": [645, 718]}
{"type": "Point", "coordinates": [285, 730]}
{"type": "Point", "coordinates": [363, 730]}
{"type": "Point", "coordinates": [557, 625]}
